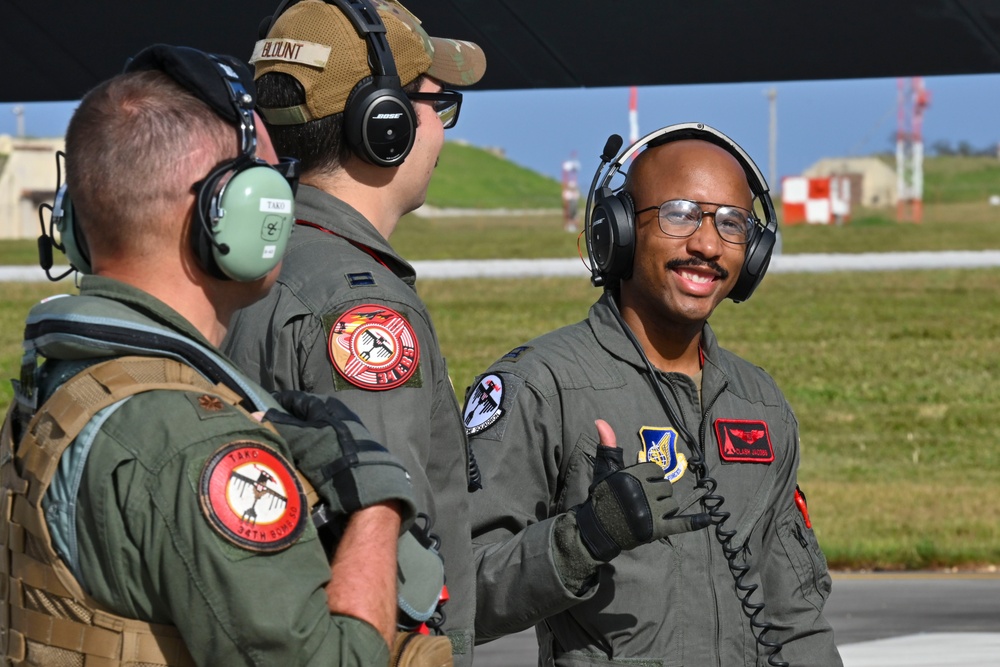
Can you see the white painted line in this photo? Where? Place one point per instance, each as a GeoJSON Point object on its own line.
{"type": "Point", "coordinates": [968, 649]}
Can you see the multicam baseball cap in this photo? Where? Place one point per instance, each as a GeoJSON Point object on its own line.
{"type": "Point", "coordinates": [317, 44]}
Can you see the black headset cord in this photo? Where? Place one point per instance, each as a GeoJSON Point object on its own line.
{"type": "Point", "coordinates": [712, 502]}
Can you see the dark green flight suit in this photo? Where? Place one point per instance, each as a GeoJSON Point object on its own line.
{"type": "Point", "coordinates": [668, 603]}
{"type": "Point", "coordinates": [127, 511]}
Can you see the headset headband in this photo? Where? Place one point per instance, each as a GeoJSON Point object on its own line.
{"type": "Point", "coordinates": [683, 131]}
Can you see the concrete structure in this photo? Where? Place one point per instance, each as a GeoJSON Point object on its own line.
{"type": "Point", "coordinates": [877, 179]}
{"type": "Point", "coordinates": [27, 178]}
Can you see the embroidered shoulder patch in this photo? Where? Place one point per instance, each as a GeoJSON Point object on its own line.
{"type": "Point", "coordinates": [373, 347]}
{"type": "Point", "coordinates": [484, 405]}
{"type": "Point", "coordinates": [252, 498]}
{"type": "Point", "coordinates": [659, 445]}
{"type": "Point", "coordinates": [743, 441]}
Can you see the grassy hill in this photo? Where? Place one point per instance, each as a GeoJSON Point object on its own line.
{"type": "Point", "coordinates": [471, 177]}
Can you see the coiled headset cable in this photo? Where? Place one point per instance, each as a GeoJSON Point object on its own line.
{"type": "Point", "coordinates": [712, 502]}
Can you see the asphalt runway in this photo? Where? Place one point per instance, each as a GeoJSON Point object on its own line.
{"type": "Point", "coordinates": [879, 620]}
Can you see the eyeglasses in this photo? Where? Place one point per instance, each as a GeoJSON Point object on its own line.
{"type": "Point", "coordinates": [681, 218]}
{"type": "Point", "coordinates": [446, 105]}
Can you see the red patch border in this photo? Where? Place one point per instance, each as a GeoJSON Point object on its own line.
{"type": "Point", "coordinates": [215, 505]}
{"type": "Point", "coordinates": [358, 378]}
{"type": "Point", "coordinates": [719, 428]}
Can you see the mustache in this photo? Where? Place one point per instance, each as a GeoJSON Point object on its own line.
{"type": "Point", "coordinates": [694, 262]}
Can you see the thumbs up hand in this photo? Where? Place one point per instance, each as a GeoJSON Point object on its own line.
{"type": "Point", "coordinates": [627, 506]}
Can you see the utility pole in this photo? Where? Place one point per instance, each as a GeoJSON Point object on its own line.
{"type": "Point", "coordinates": [633, 116]}
{"type": "Point", "coordinates": [772, 100]}
{"type": "Point", "coordinates": [910, 149]}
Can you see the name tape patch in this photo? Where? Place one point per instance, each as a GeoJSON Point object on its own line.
{"type": "Point", "coordinates": [291, 51]}
{"type": "Point", "coordinates": [742, 441]}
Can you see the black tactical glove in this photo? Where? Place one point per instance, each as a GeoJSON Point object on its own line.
{"type": "Point", "coordinates": [628, 507]}
{"type": "Point", "coordinates": [336, 453]}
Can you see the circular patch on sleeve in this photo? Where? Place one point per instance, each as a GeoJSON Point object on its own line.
{"type": "Point", "coordinates": [373, 347]}
{"type": "Point", "coordinates": [251, 497]}
{"type": "Point", "coordinates": [483, 407]}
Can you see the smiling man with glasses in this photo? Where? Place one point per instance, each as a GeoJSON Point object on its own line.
{"type": "Point", "coordinates": [361, 95]}
{"type": "Point", "coordinates": [651, 538]}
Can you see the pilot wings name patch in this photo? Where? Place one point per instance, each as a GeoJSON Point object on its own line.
{"type": "Point", "coordinates": [742, 441]}
{"type": "Point", "coordinates": [483, 406]}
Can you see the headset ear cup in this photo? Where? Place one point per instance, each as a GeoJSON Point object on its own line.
{"type": "Point", "coordinates": [249, 220]}
{"type": "Point", "coordinates": [70, 236]}
{"type": "Point", "coordinates": [379, 123]}
{"type": "Point", "coordinates": [755, 263]}
{"type": "Point", "coordinates": [203, 225]}
{"type": "Point", "coordinates": [612, 233]}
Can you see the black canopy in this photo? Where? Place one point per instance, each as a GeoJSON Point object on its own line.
{"type": "Point", "coordinates": [57, 50]}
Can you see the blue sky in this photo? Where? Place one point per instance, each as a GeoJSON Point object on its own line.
{"type": "Point", "coordinates": [541, 128]}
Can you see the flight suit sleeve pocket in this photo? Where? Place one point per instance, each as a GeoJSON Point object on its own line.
{"type": "Point", "coordinates": [805, 556]}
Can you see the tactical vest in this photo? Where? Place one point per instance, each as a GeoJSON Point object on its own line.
{"type": "Point", "coordinates": [46, 618]}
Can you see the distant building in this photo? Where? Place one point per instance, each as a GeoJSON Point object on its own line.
{"type": "Point", "coordinates": [27, 178]}
{"type": "Point", "coordinates": [873, 182]}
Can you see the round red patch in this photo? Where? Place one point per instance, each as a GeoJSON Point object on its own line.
{"type": "Point", "coordinates": [252, 497]}
{"type": "Point", "coordinates": [373, 347]}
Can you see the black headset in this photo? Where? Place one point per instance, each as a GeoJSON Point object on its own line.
{"type": "Point", "coordinates": [610, 222]}
{"type": "Point", "coordinates": [243, 214]}
{"type": "Point", "coordinates": [379, 121]}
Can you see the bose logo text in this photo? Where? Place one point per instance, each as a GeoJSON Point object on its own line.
{"type": "Point", "coordinates": [386, 116]}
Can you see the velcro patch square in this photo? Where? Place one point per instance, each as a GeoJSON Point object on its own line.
{"type": "Point", "coordinates": [360, 279]}
{"type": "Point", "coordinates": [744, 441]}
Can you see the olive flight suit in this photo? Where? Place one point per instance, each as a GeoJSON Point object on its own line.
{"type": "Point", "coordinates": [668, 603]}
{"type": "Point", "coordinates": [178, 508]}
{"type": "Point", "coordinates": [344, 319]}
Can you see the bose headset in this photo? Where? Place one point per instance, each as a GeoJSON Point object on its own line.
{"type": "Point", "coordinates": [610, 221]}
{"type": "Point", "coordinates": [243, 210]}
{"type": "Point", "coordinates": [379, 121]}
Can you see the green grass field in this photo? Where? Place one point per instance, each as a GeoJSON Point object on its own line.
{"type": "Point", "coordinates": [894, 376]}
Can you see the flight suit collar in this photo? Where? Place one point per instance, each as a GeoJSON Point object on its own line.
{"type": "Point", "coordinates": [338, 217]}
{"type": "Point", "coordinates": [142, 301]}
{"type": "Point", "coordinates": [609, 334]}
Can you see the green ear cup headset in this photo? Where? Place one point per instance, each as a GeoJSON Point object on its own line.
{"type": "Point", "coordinates": [244, 208]}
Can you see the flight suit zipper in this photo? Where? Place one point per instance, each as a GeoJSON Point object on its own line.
{"type": "Point", "coordinates": [711, 537]}
{"type": "Point", "coordinates": [698, 450]}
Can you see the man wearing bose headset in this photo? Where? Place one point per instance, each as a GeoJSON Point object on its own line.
{"type": "Point", "coordinates": [673, 533]}
{"type": "Point", "coordinates": [156, 503]}
{"type": "Point", "coordinates": [353, 89]}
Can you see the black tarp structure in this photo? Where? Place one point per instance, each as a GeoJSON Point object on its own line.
{"type": "Point", "coordinates": [57, 50]}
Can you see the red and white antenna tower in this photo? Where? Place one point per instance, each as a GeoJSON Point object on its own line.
{"type": "Point", "coordinates": [633, 116]}
{"type": "Point", "coordinates": [910, 149]}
